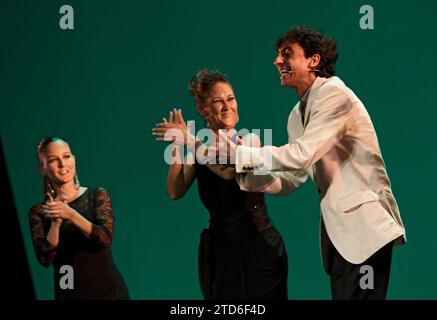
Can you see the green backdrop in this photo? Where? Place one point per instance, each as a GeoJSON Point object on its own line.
{"type": "Point", "coordinates": [106, 83]}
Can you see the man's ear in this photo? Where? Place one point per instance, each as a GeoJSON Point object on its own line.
{"type": "Point", "coordinates": [314, 62]}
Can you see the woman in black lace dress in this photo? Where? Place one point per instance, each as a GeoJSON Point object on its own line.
{"type": "Point", "coordinates": [241, 254]}
{"type": "Point", "coordinates": [74, 227]}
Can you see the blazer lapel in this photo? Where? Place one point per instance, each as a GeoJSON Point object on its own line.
{"type": "Point", "coordinates": [295, 127]}
{"type": "Point", "coordinates": [313, 93]}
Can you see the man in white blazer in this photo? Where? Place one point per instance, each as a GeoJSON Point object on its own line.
{"type": "Point", "coordinates": [331, 139]}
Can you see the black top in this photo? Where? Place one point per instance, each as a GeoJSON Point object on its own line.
{"type": "Point", "coordinates": [241, 254]}
{"type": "Point", "coordinates": [223, 198]}
{"type": "Point", "coordinates": [95, 274]}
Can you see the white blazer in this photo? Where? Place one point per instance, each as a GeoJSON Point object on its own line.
{"type": "Point", "coordinates": [338, 148]}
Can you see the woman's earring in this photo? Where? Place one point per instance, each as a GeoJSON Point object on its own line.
{"type": "Point", "coordinates": [49, 188]}
{"type": "Point", "coordinates": [76, 182]}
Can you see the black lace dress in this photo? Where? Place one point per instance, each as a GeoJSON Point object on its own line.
{"type": "Point", "coordinates": [96, 276]}
{"type": "Point", "coordinates": [241, 255]}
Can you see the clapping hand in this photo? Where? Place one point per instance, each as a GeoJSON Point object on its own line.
{"type": "Point", "coordinates": [57, 210]}
{"type": "Point", "coordinates": [174, 130]}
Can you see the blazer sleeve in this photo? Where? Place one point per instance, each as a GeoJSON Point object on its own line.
{"type": "Point", "coordinates": [329, 120]}
{"type": "Point", "coordinates": [277, 183]}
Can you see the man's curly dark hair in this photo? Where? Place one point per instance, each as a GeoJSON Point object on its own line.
{"type": "Point", "coordinates": [312, 43]}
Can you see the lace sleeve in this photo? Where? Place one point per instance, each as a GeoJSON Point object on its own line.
{"type": "Point", "coordinates": [102, 228]}
{"type": "Point", "coordinates": [45, 253]}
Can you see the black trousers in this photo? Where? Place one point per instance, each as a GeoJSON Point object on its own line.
{"type": "Point", "coordinates": [365, 281]}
